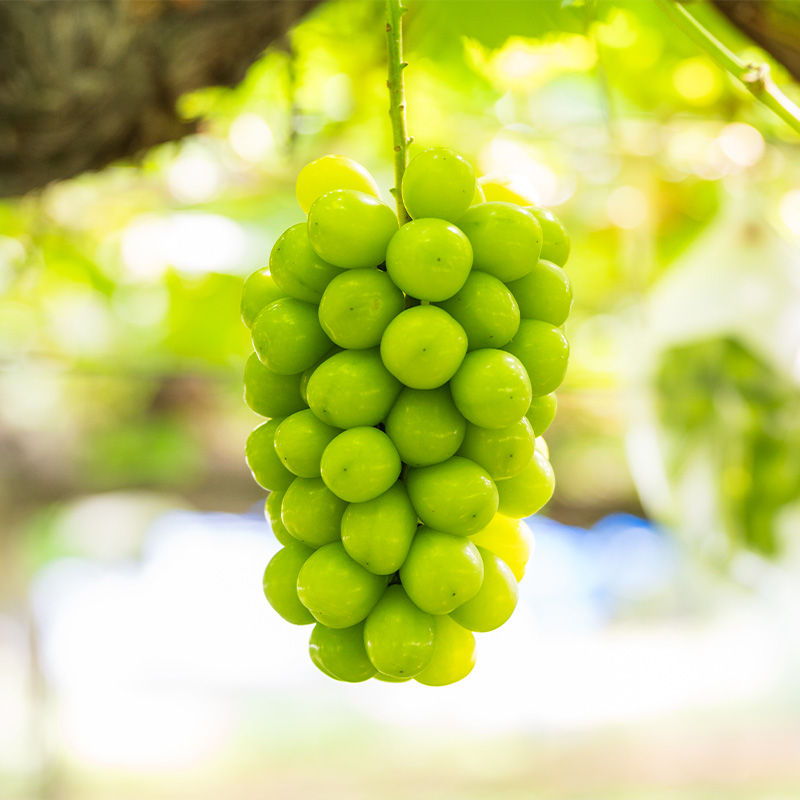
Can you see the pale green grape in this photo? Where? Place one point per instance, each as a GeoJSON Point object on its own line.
{"type": "Point", "coordinates": [350, 229]}
{"type": "Point", "coordinates": [438, 183]}
{"type": "Point", "coordinates": [555, 244]}
{"type": "Point", "coordinates": [425, 426]}
{"type": "Point", "coordinates": [545, 293]}
{"type": "Point", "coordinates": [526, 493]}
{"type": "Point", "coordinates": [357, 306]}
{"type": "Point", "coordinates": [352, 389]}
{"type": "Point", "coordinates": [486, 310]}
{"type": "Point", "coordinates": [542, 412]}
{"type": "Point", "coordinates": [272, 511]}
{"type": "Point", "coordinates": [454, 654]}
{"type": "Point", "coordinates": [423, 347]}
{"type": "Point", "coordinates": [441, 571]}
{"type": "Point", "coordinates": [312, 513]}
{"type": "Point", "coordinates": [262, 459]}
{"type": "Point", "coordinates": [280, 583]}
{"type": "Point", "coordinates": [268, 393]}
{"type": "Point", "coordinates": [398, 635]}
{"type": "Point", "coordinates": [496, 599]}
{"type": "Point", "coordinates": [259, 290]}
{"type": "Point", "coordinates": [336, 590]}
{"type": "Point", "coordinates": [491, 389]}
{"type": "Point", "coordinates": [340, 653]}
{"type": "Point", "coordinates": [378, 533]}
{"type": "Point", "coordinates": [544, 352]}
{"type": "Point", "coordinates": [506, 186]}
{"type": "Point", "coordinates": [502, 452]}
{"type": "Point", "coordinates": [429, 259]}
{"type": "Point", "coordinates": [332, 172]}
{"type": "Point", "coordinates": [287, 336]}
{"type": "Point", "coordinates": [300, 441]}
{"type": "Point", "coordinates": [509, 539]}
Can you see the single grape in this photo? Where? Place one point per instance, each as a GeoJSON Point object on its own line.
{"type": "Point", "coordinates": [336, 590]}
{"type": "Point", "coordinates": [357, 306]}
{"type": "Point", "coordinates": [456, 497]}
{"type": "Point", "coordinates": [429, 259]}
{"type": "Point", "coordinates": [486, 310]}
{"type": "Point", "coordinates": [378, 533]}
{"type": "Point", "coordinates": [340, 653]}
{"type": "Point", "coordinates": [425, 426]}
{"type": "Point", "coordinates": [268, 393]}
{"type": "Point", "coordinates": [259, 290]}
{"type": "Point", "coordinates": [287, 336]}
{"type": "Point", "coordinates": [423, 347]}
{"type": "Point", "coordinates": [280, 583]}
{"type": "Point", "coordinates": [555, 244]}
{"type": "Point", "coordinates": [545, 293]}
{"type": "Point", "coordinates": [300, 441]}
{"type": "Point", "coordinates": [502, 452]}
{"type": "Point", "coordinates": [272, 512]}
{"type": "Point", "coordinates": [543, 350]}
{"type": "Point", "coordinates": [398, 635]}
{"type": "Point", "coordinates": [454, 654]}
{"type": "Point", "coordinates": [441, 571]}
{"type": "Point", "coordinates": [438, 183]}
{"type": "Point", "coordinates": [312, 513]}
{"type": "Point", "coordinates": [524, 494]}
{"type": "Point", "coordinates": [350, 229]}
{"type": "Point", "coordinates": [490, 389]}
{"type": "Point", "coordinates": [306, 374]}
{"type": "Point", "coordinates": [509, 539]}
{"type": "Point", "coordinates": [360, 464]}
{"type": "Point", "coordinates": [542, 412]}
{"type": "Point", "coordinates": [352, 389]}
{"type": "Point", "coordinates": [332, 172]}
{"type": "Point", "coordinates": [508, 187]}
{"type": "Point", "coordinates": [296, 267]}
{"type": "Point", "coordinates": [262, 459]}
{"type": "Point", "coordinates": [506, 239]}
{"type": "Point", "coordinates": [496, 599]}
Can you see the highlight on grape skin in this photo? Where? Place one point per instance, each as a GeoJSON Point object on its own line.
{"type": "Point", "coordinates": [405, 375]}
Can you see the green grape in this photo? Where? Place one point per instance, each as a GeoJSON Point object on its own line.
{"type": "Point", "coordinates": [454, 654]}
{"type": "Point", "coordinates": [524, 494]}
{"type": "Point", "coordinates": [360, 464]}
{"type": "Point", "coordinates": [486, 310]}
{"type": "Point", "coordinates": [542, 412]}
{"type": "Point", "coordinates": [296, 267]}
{"type": "Point", "coordinates": [312, 513]}
{"type": "Point", "coordinates": [300, 441]}
{"type": "Point", "coordinates": [340, 653]}
{"type": "Point", "coordinates": [352, 389]}
{"type": "Point", "coordinates": [502, 452]}
{"type": "Point", "coordinates": [555, 239]}
{"type": "Point", "coordinates": [280, 583]}
{"type": "Point", "coordinates": [496, 599]}
{"type": "Point", "coordinates": [508, 187]}
{"type": "Point", "coordinates": [509, 539]}
{"type": "Point", "coordinates": [398, 635]}
{"type": "Point", "coordinates": [268, 393]}
{"type": "Point", "coordinates": [287, 336]}
{"type": "Point", "coordinates": [541, 446]}
{"type": "Point", "coordinates": [336, 590]}
{"type": "Point", "coordinates": [438, 183]}
{"type": "Point", "coordinates": [491, 389]}
{"type": "Point", "coordinates": [262, 459]}
{"type": "Point", "coordinates": [545, 293]}
{"type": "Point", "coordinates": [332, 172]}
{"type": "Point", "coordinates": [423, 347]}
{"type": "Point", "coordinates": [272, 511]}
{"type": "Point", "coordinates": [429, 259]}
{"type": "Point", "coordinates": [350, 229]}
{"type": "Point", "coordinates": [306, 374]}
{"type": "Point", "coordinates": [544, 352]}
{"type": "Point", "coordinates": [259, 290]}
{"type": "Point", "coordinates": [441, 571]}
{"type": "Point", "coordinates": [357, 306]}
{"type": "Point", "coordinates": [506, 239]}
{"type": "Point", "coordinates": [378, 533]}
{"type": "Point", "coordinates": [425, 426]}
{"type": "Point", "coordinates": [456, 497]}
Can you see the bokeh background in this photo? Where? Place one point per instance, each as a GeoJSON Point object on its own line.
{"type": "Point", "coordinates": [655, 652]}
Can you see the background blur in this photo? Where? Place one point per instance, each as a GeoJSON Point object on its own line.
{"type": "Point", "coordinates": [656, 648]}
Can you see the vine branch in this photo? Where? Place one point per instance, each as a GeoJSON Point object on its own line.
{"type": "Point", "coordinates": [397, 100]}
{"type": "Point", "coordinates": [755, 77]}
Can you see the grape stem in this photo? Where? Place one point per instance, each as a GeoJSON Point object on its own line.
{"type": "Point", "coordinates": [397, 100]}
{"type": "Point", "coordinates": [755, 77]}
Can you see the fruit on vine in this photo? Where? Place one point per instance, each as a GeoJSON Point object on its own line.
{"type": "Point", "coordinates": [329, 173]}
{"type": "Point", "coordinates": [438, 183]}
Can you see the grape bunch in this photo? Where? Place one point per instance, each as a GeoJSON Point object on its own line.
{"type": "Point", "coordinates": [406, 374]}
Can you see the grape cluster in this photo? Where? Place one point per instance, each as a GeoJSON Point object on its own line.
{"type": "Point", "coordinates": [406, 373]}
